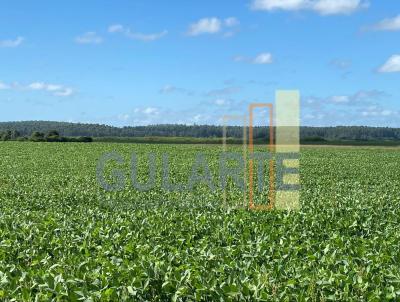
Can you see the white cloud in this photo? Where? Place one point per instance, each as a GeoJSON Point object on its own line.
{"type": "Point", "coordinates": [204, 112]}
{"type": "Point", "coordinates": [65, 91]}
{"type": "Point", "coordinates": [340, 99]}
{"type": "Point", "coordinates": [89, 37]}
{"type": "Point", "coordinates": [57, 90]}
{"type": "Point", "coordinates": [314, 116]}
{"type": "Point", "coordinates": [368, 95]}
{"type": "Point", "coordinates": [118, 28]}
{"type": "Point", "coordinates": [146, 37]}
{"type": "Point", "coordinates": [146, 116]}
{"type": "Point", "coordinates": [123, 117]}
{"type": "Point", "coordinates": [167, 89]}
{"type": "Point", "coordinates": [389, 24]}
{"type": "Point", "coordinates": [220, 102]}
{"type": "Point", "coordinates": [338, 7]}
{"type": "Point", "coordinates": [223, 91]}
{"type": "Point", "coordinates": [263, 58]}
{"type": "Point", "coordinates": [375, 111]}
{"type": "Point", "coordinates": [151, 111]}
{"type": "Point", "coordinates": [386, 112]}
{"type": "Point", "coordinates": [323, 7]}
{"type": "Point", "coordinates": [340, 63]}
{"type": "Point", "coordinates": [391, 65]}
{"type": "Point", "coordinates": [205, 26]}
{"type": "Point", "coordinates": [364, 107]}
{"type": "Point", "coordinates": [231, 21]}
{"type": "Point", "coordinates": [279, 4]}
{"type": "Point", "coordinates": [54, 89]}
{"type": "Point", "coordinates": [12, 43]}
{"type": "Point", "coordinates": [357, 99]}
{"type": "Point", "coordinates": [37, 86]}
{"type": "Point", "coordinates": [200, 118]}
{"type": "Point", "coordinates": [213, 25]}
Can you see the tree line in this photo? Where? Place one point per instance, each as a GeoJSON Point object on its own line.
{"type": "Point", "coordinates": [41, 130]}
{"type": "Point", "coordinates": [36, 136]}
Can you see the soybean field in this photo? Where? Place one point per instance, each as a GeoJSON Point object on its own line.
{"type": "Point", "coordinates": [63, 237]}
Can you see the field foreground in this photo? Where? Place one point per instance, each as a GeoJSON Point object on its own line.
{"type": "Point", "coordinates": [62, 237]}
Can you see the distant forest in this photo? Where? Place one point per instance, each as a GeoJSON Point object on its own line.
{"type": "Point", "coordinates": [64, 129]}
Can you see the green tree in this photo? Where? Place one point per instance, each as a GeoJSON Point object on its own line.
{"type": "Point", "coordinates": [37, 137]}
{"type": "Point", "coordinates": [15, 134]}
{"type": "Point", "coordinates": [6, 135]}
{"type": "Point", "coordinates": [53, 136]}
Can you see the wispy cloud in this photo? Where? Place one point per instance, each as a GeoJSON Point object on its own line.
{"type": "Point", "coordinates": [116, 28]}
{"type": "Point", "coordinates": [388, 24]}
{"type": "Point", "coordinates": [141, 116]}
{"type": "Point", "coordinates": [213, 25]}
{"type": "Point", "coordinates": [54, 89]}
{"type": "Point", "coordinates": [323, 7]}
{"type": "Point", "coordinates": [220, 102]}
{"type": "Point", "coordinates": [334, 111]}
{"type": "Point", "coordinates": [340, 63]}
{"type": "Point", "coordinates": [11, 43]}
{"type": "Point", "coordinates": [167, 89]}
{"type": "Point", "coordinates": [147, 37]}
{"type": "Point", "coordinates": [391, 65]}
{"type": "Point", "coordinates": [223, 91]}
{"type": "Point", "coordinates": [231, 22]}
{"type": "Point", "coordinates": [378, 111]}
{"type": "Point", "coordinates": [364, 107]}
{"type": "Point", "coordinates": [127, 32]}
{"type": "Point", "coordinates": [151, 111]}
{"type": "Point", "coordinates": [123, 117]}
{"type": "Point", "coordinates": [205, 26]}
{"type": "Point", "coordinates": [360, 97]}
{"type": "Point", "coordinates": [207, 112]}
{"type": "Point", "coordinates": [262, 58]}
{"type": "Point", "coordinates": [89, 37]}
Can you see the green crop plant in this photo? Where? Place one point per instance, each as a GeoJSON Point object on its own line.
{"type": "Point", "coordinates": [64, 238]}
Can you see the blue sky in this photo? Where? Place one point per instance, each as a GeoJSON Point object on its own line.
{"type": "Point", "coordinates": [146, 62]}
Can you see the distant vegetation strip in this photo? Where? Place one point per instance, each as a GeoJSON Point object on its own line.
{"type": "Point", "coordinates": [236, 141]}
{"type": "Point", "coordinates": [36, 136]}
{"type": "Point", "coordinates": [212, 134]}
{"type": "Point", "coordinates": [53, 136]}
